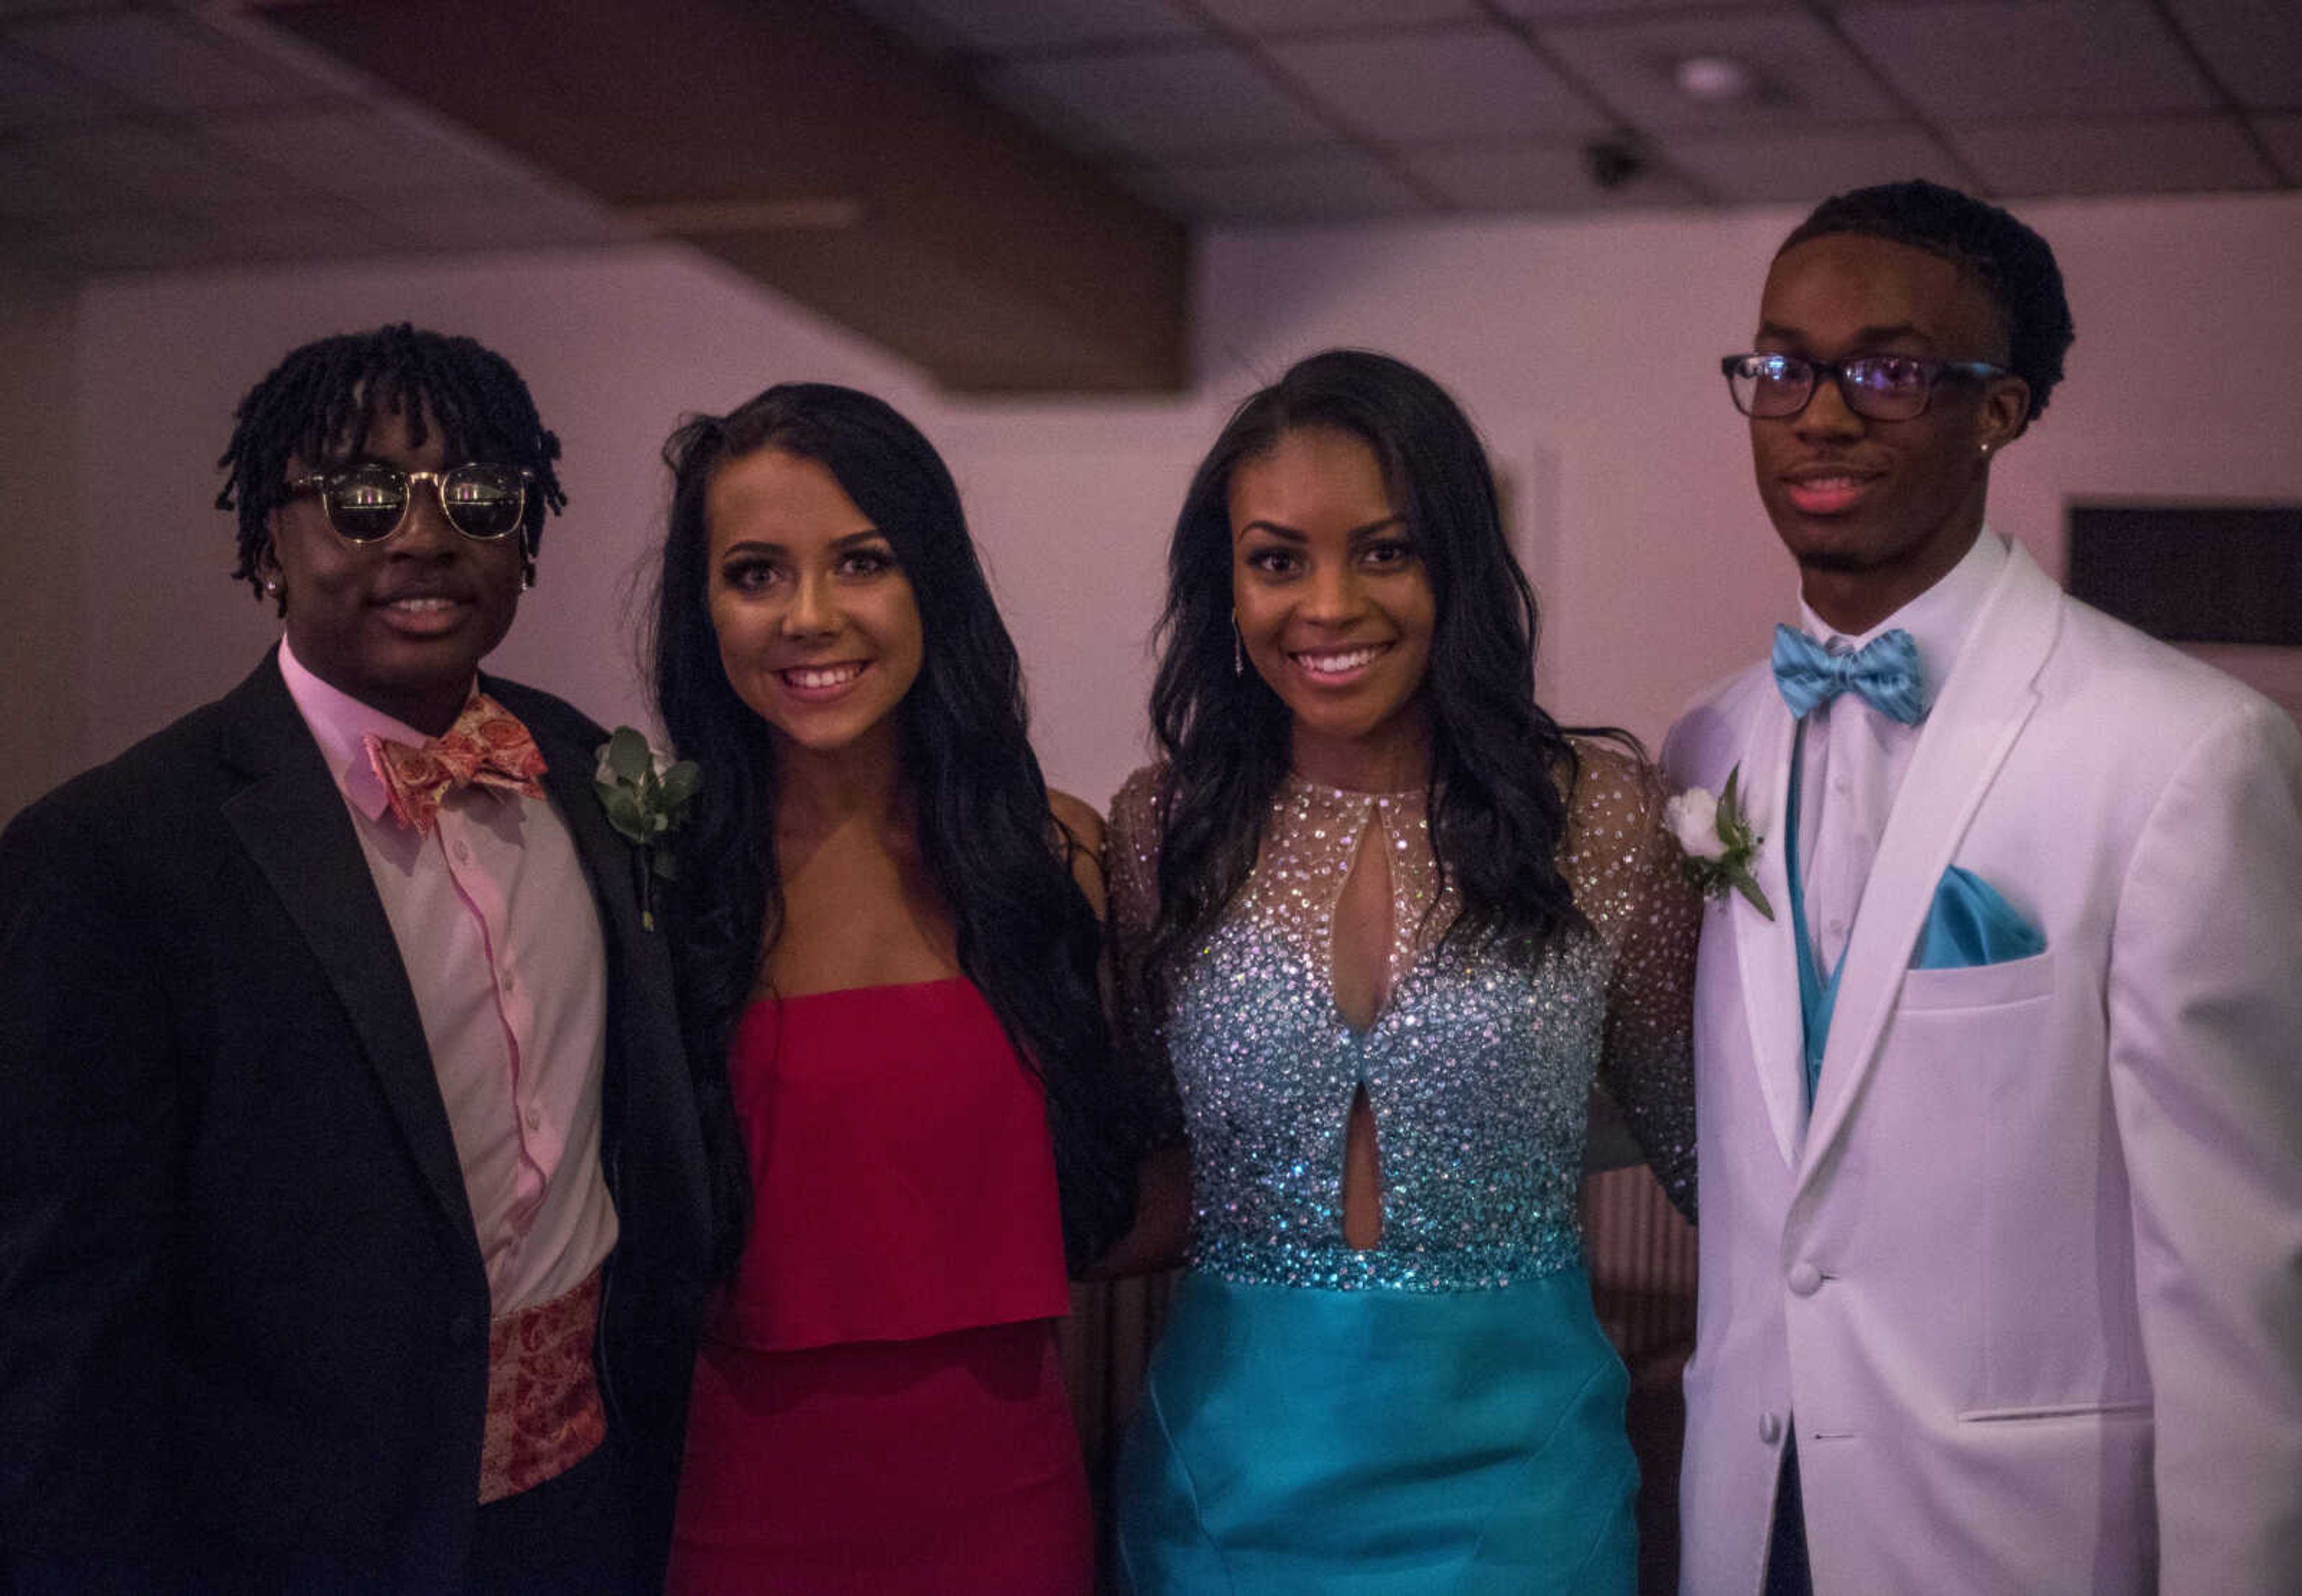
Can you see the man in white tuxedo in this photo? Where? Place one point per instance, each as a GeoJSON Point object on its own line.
{"type": "Point", "coordinates": [2000, 1106]}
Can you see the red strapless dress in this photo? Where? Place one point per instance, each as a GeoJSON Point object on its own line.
{"type": "Point", "coordinates": [877, 1405]}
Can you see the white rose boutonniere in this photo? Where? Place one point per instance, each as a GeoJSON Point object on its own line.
{"type": "Point", "coordinates": [1717, 838]}
{"type": "Point", "coordinates": [646, 796]}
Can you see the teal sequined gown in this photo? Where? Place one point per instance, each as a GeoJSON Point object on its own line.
{"type": "Point", "coordinates": [1439, 1412]}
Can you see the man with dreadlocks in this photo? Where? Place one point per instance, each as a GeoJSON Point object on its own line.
{"type": "Point", "coordinates": [350, 1183]}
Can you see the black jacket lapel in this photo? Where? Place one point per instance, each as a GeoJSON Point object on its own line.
{"type": "Point", "coordinates": [292, 821]}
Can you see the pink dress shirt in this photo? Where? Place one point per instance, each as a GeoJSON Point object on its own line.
{"type": "Point", "coordinates": [501, 944]}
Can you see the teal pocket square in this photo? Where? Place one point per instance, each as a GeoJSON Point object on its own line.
{"type": "Point", "coordinates": [1971, 924]}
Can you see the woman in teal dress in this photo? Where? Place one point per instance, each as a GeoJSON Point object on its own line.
{"type": "Point", "coordinates": [1382, 923]}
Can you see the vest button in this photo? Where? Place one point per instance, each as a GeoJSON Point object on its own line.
{"type": "Point", "coordinates": [1770, 1427]}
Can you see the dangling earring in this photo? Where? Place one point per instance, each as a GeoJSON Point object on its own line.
{"type": "Point", "coordinates": [527, 579]}
{"type": "Point", "coordinates": [1237, 648]}
{"type": "Point", "coordinates": [272, 587]}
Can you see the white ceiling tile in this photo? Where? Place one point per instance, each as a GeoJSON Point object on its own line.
{"type": "Point", "coordinates": [35, 92]}
{"type": "Point", "coordinates": [2254, 47]}
{"type": "Point", "coordinates": [1168, 101]}
{"type": "Point", "coordinates": [141, 242]}
{"type": "Point", "coordinates": [309, 230]}
{"type": "Point", "coordinates": [159, 61]}
{"type": "Point", "coordinates": [24, 246]}
{"type": "Point", "coordinates": [35, 184]}
{"type": "Point", "coordinates": [1812, 165]}
{"type": "Point", "coordinates": [168, 167]}
{"type": "Point", "coordinates": [2003, 58]}
{"type": "Point", "coordinates": [2283, 136]}
{"type": "Point", "coordinates": [1801, 73]}
{"type": "Point", "coordinates": [481, 220]}
{"type": "Point", "coordinates": [1547, 177]}
{"type": "Point", "coordinates": [1583, 8]}
{"type": "Point", "coordinates": [1322, 186]}
{"type": "Point", "coordinates": [1007, 26]}
{"type": "Point", "coordinates": [1437, 88]}
{"type": "Point", "coordinates": [1283, 19]}
{"type": "Point", "coordinates": [360, 150]}
{"type": "Point", "coordinates": [2138, 154]}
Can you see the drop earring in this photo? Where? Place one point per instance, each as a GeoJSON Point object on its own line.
{"type": "Point", "coordinates": [1237, 648]}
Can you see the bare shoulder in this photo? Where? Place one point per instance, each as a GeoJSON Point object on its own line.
{"type": "Point", "coordinates": [1080, 830]}
{"type": "Point", "coordinates": [1076, 817]}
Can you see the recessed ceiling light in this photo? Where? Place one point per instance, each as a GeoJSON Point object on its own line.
{"type": "Point", "coordinates": [1712, 79]}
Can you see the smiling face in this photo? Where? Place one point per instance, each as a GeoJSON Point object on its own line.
{"type": "Point", "coordinates": [1335, 608]}
{"type": "Point", "coordinates": [819, 630]}
{"type": "Point", "coordinates": [402, 624]}
{"type": "Point", "coordinates": [1876, 512]}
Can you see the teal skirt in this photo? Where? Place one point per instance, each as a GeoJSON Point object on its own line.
{"type": "Point", "coordinates": [1381, 1443]}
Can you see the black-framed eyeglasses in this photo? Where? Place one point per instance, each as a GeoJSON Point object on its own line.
{"type": "Point", "coordinates": [1877, 387]}
{"type": "Point", "coordinates": [367, 503]}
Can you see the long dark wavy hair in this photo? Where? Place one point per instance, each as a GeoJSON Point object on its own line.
{"type": "Point", "coordinates": [1028, 938]}
{"type": "Point", "coordinates": [1500, 766]}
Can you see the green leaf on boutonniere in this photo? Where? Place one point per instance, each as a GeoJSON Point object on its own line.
{"type": "Point", "coordinates": [646, 797]}
{"type": "Point", "coordinates": [1718, 840]}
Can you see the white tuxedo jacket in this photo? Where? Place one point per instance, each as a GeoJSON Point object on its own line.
{"type": "Point", "coordinates": [2028, 1280]}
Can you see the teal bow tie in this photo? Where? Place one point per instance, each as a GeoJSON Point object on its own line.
{"type": "Point", "coordinates": [1883, 672]}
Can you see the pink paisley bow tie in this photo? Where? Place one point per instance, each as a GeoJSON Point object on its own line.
{"type": "Point", "coordinates": [487, 747]}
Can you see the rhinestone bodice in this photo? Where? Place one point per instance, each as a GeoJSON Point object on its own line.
{"type": "Point", "coordinates": [1478, 1068]}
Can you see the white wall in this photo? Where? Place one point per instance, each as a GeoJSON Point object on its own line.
{"type": "Point", "coordinates": [1586, 351]}
{"type": "Point", "coordinates": [1602, 339]}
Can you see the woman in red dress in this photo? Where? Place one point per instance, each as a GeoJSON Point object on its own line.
{"type": "Point", "coordinates": [888, 942]}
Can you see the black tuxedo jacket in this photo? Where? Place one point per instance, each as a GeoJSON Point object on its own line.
{"type": "Point", "coordinates": [243, 1316]}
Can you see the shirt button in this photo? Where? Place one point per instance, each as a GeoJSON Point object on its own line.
{"type": "Point", "coordinates": [1770, 1427]}
{"type": "Point", "coordinates": [463, 853]}
{"type": "Point", "coordinates": [1805, 1279]}
{"type": "Point", "coordinates": [536, 1119]}
{"type": "Point", "coordinates": [504, 979]}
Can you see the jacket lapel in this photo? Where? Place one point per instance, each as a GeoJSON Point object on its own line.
{"type": "Point", "coordinates": [642, 1029]}
{"type": "Point", "coordinates": [292, 821]}
{"type": "Point", "coordinates": [1767, 950]}
{"type": "Point", "coordinates": [1984, 705]}
{"type": "Point", "coordinates": [611, 863]}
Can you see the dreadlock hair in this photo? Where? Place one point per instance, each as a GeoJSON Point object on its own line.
{"type": "Point", "coordinates": [319, 403]}
{"type": "Point", "coordinates": [1028, 938]}
{"type": "Point", "coordinates": [2014, 265]}
{"type": "Point", "coordinates": [1500, 766]}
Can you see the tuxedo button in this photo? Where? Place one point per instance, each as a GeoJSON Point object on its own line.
{"type": "Point", "coordinates": [461, 1330]}
{"type": "Point", "coordinates": [1805, 1279]}
{"type": "Point", "coordinates": [1770, 1427]}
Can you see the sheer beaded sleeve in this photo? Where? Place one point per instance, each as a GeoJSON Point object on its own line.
{"type": "Point", "coordinates": [1131, 866]}
{"type": "Point", "coordinates": [1624, 870]}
